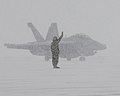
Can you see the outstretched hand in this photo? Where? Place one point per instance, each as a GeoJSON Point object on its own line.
{"type": "Point", "coordinates": [60, 36]}
{"type": "Point", "coordinates": [62, 33]}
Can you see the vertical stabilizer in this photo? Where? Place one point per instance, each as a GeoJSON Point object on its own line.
{"type": "Point", "coordinates": [36, 33]}
{"type": "Point", "coordinates": [52, 31]}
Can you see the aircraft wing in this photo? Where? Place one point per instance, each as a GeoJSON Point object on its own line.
{"type": "Point", "coordinates": [18, 46]}
{"type": "Point", "coordinates": [28, 46]}
{"type": "Point", "coordinates": [48, 43]}
{"type": "Point", "coordinates": [31, 45]}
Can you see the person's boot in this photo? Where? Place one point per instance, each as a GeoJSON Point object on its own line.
{"type": "Point", "coordinates": [56, 67]}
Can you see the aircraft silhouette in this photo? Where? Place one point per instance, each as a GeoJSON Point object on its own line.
{"type": "Point", "coordinates": [78, 45]}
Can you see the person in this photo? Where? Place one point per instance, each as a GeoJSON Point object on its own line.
{"type": "Point", "coordinates": [55, 50]}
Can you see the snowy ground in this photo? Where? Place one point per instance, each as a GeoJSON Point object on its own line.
{"type": "Point", "coordinates": [35, 77]}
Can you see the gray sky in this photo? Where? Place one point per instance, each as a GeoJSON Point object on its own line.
{"type": "Point", "coordinates": [100, 19]}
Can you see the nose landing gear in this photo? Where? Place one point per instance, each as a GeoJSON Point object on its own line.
{"type": "Point", "coordinates": [82, 58]}
{"type": "Point", "coordinates": [47, 58]}
{"type": "Point", "coordinates": [68, 59]}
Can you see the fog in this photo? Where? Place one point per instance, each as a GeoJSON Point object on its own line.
{"type": "Point", "coordinates": [97, 18]}
{"type": "Point", "coordinates": [24, 74]}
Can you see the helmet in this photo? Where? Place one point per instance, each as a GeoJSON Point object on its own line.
{"type": "Point", "coordinates": [54, 38]}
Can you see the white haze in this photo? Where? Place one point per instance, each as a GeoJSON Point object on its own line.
{"type": "Point", "coordinates": [97, 18]}
{"type": "Point", "coordinates": [23, 74]}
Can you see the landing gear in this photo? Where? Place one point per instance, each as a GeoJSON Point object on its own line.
{"type": "Point", "coordinates": [82, 58]}
{"type": "Point", "coordinates": [68, 59]}
{"type": "Point", "coordinates": [47, 58]}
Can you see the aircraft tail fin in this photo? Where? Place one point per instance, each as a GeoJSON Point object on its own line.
{"type": "Point", "coordinates": [52, 31]}
{"type": "Point", "coordinates": [36, 33]}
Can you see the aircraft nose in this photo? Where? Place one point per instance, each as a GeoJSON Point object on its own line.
{"type": "Point", "coordinates": [104, 46]}
{"type": "Point", "coordinates": [101, 46]}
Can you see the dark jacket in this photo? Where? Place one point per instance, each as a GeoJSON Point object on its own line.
{"type": "Point", "coordinates": [55, 45]}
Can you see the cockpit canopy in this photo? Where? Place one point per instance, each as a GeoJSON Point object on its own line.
{"type": "Point", "coordinates": [79, 37]}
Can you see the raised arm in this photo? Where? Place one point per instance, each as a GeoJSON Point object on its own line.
{"type": "Point", "coordinates": [60, 37]}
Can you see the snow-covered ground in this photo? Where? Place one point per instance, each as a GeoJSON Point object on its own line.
{"type": "Point", "coordinates": [34, 77]}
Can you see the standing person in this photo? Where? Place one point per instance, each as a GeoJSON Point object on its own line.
{"type": "Point", "coordinates": [55, 50]}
